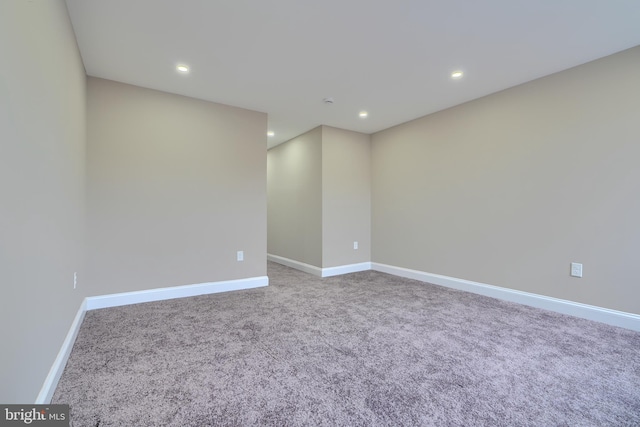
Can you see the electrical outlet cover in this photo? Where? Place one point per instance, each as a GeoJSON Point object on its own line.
{"type": "Point", "coordinates": [576, 269]}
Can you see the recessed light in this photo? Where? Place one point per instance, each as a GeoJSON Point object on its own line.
{"type": "Point", "coordinates": [457, 75]}
{"type": "Point", "coordinates": [271, 133]}
{"type": "Point", "coordinates": [363, 114]}
{"type": "Point", "coordinates": [184, 69]}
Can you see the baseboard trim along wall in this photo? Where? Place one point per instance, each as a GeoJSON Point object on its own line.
{"type": "Point", "coordinates": [159, 294]}
{"type": "Point", "coordinates": [345, 269]}
{"type": "Point", "coordinates": [51, 382]}
{"type": "Point", "coordinates": [317, 271]}
{"type": "Point", "coordinates": [127, 298]}
{"type": "Point", "coordinates": [585, 311]}
{"type": "Point", "coordinates": [307, 268]}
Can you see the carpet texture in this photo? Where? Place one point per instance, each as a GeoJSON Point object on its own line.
{"type": "Point", "coordinates": [363, 349]}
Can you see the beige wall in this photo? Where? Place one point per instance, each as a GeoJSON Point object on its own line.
{"type": "Point", "coordinates": [511, 188]}
{"type": "Point", "coordinates": [294, 177]}
{"type": "Point", "coordinates": [175, 187]}
{"type": "Point", "coordinates": [42, 152]}
{"type": "Point", "coordinates": [346, 197]}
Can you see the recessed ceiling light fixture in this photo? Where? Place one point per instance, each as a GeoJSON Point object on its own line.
{"type": "Point", "coordinates": [182, 68]}
{"type": "Point", "coordinates": [457, 75]}
{"type": "Point", "coordinates": [363, 114]}
{"type": "Point", "coordinates": [271, 133]}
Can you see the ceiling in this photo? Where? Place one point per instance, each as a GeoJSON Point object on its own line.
{"type": "Point", "coordinates": [391, 58]}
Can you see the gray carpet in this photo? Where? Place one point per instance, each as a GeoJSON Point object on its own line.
{"type": "Point", "coordinates": [364, 349]}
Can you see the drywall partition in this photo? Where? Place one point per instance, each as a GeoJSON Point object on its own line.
{"type": "Point", "coordinates": [42, 155]}
{"type": "Point", "coordinates": [319, 198]}
{"type": "Point", "coordinates": [294, 177]}
{"type": "Point", "coordinates": [346, 197]}
{"type": "Point", "coordinates": [511, 188]}
{"type": "Point", "coordinates": [176, 186]}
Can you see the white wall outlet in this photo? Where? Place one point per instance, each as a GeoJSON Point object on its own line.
{"type": "Point", "coordinates": [576, 269]}
{"type": "Point", "coordinates": [75, 279]}
{"type": "Point", "coordinates": [240, 256]}
{"type": "Point", "coordinates": [355, 245]}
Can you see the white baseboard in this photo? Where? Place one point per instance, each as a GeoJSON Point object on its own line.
{"type": "Point", "coordinates": [307, 268]}
{"type": "Point", "coordinates": [345, 269]}
{"type": "Point", "coordinates": [585, 311]}
{"type": "Point", "coordinates": [160, 294]}
{"type": "Point", "coordinates": [317, 271]}
{"type": "Point", "coordinates": [127, 298]}
{"type": "Point", "coordinates": [51, 382]}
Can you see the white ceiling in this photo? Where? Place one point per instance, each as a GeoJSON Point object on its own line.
{"type": "Point", "coordinates": [392, 58]}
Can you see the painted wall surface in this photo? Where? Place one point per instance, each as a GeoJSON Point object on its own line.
{"type": "Point", "coordinates": [42, 155]}
{"type": "Point", "coordinates": [511, 188]}
{"type": "Point", "coordinates": [346, 197]}
{"type": "Point", "coordinates": [176, 186]}
{"type": "Point", "coordinates": [294, 177]}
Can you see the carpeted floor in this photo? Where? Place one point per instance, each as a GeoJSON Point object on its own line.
{"type": "Point", "coordinates": [364, 349]}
